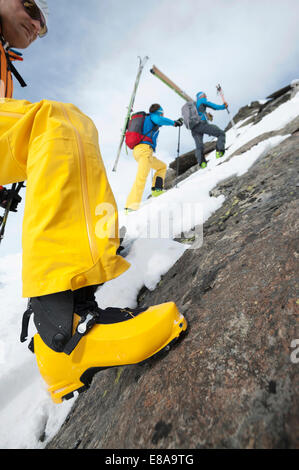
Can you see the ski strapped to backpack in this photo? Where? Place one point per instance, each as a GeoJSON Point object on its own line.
{"type": "Point", "coordinates": [142, 63]}
{"type": "Point", "coordinates": [134, 134]}
{"type": "Point", "coordinates": [157, 73]}
{"type": "Point", "coordinates": [189, 110]}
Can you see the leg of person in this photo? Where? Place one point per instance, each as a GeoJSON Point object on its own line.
{"type": "Point", "coordinates": [142, 154]}
{"type": "Point", "coordinates": [69, 243]}
{"type": "Point", "coordinates": [215, 131]}
{"type": "Point", "coordinates": [97, 344]}
{"type": "Point", "coordinates": [55, 148]}
{"type": "Point", "coordinates": [68, 198]}
{"type": "Point", "coordinates": [197, 135]}
{"type": "Point", "coordinates": [159, 176]}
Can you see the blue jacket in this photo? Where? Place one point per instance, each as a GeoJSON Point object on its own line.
{"type": "Point", "coordinates": [152, 121]}
{"type": "Point", "coordinates": [202, 103]}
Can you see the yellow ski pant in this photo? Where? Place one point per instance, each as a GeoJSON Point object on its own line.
{"type": "Point", "coordinates": [143, 154]}
{"type": "Point", "coordinates": [70, 226]}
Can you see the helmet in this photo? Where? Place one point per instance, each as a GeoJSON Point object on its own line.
{"type": "Point", "coordinates": [201, 94]}
{"type": "Point", "coordinates": [43, 6]}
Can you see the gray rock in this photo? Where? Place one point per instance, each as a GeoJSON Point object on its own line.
{"type": "Point", "coordinates": [230, 383]}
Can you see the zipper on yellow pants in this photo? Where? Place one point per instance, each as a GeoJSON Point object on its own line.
{"type": "Point", "coordinates": [84, 188]}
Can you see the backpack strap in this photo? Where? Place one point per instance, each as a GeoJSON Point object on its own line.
{"type": "Point", "coordinates": [15, 55]}
{"type": "Point", "coordinates": [154, 129]}
{"type": "Point", "coordinates": [14, 71]}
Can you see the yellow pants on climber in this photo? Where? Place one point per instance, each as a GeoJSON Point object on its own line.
{"type": "Point", "coordinates": [143, 154]}
{"type": "Point", "coordinates": [70, 239]}
{"type": "Point", "coordinates": [69, 202]}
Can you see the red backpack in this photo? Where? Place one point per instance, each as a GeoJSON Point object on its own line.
{"type": "Point", "coordinates": [134, 131]}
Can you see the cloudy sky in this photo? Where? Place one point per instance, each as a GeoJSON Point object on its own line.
{"type": "Point", "coordinates": [90, 58]}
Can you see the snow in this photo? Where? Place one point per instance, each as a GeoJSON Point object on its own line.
{"type": "Point", "coordinates": [28, 418]}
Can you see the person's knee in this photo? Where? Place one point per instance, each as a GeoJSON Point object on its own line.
{"type": "Point", "coordinates": [61, 119]}
{"type": "Point", "coordinates": [162, 167]}
{"type": "Point", "coordinates": [222, 136]}
{"type": "Point", "coordinates": [157, 164]}
{"type": "Point", "coordinates": [64, 111]}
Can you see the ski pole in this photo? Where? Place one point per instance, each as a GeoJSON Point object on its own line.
{"type": "Point", "coordinates": [220, 92]}
{"type": "Point", "coordinates": [177, 160]}
{"type": "Point", "coordinates": [142, 63]}
{"type": "Point", "coordinates": [3, 220]}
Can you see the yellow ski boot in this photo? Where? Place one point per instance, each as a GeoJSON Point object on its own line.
{"type": "Point", "coordinates": [100, 339]}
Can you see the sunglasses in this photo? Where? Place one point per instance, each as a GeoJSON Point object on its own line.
{"type": "Point", "coordinates": [34, 12]}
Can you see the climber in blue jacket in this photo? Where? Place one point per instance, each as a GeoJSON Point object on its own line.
{"type": "Point", "coordinates": [203, 127]}
{"type": "Point", "coordinates": [152, 123]}
{"type": "Point", "coordinates": [144, 156]}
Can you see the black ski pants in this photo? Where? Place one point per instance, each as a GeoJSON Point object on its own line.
{"type": "Point", "coordinates": [210, 129]}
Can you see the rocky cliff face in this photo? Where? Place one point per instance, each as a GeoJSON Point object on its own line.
{"type": "Point", "coordinates": [231, 382]}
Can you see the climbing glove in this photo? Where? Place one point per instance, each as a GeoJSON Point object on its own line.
{"type": "Point", "coordinates": [7, 195]}
{"type": "Point", "coordinates": [179, 122]}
